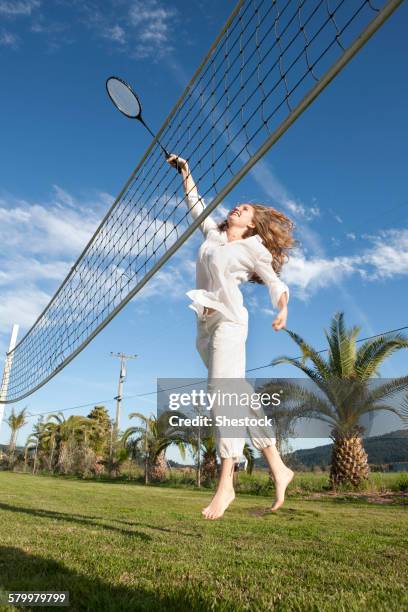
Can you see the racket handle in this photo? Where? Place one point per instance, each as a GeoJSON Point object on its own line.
{"type": "Point", "coordinates": [176, 166]}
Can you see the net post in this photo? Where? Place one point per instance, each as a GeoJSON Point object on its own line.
{"type": "Point", "coordinates": [7, 369]}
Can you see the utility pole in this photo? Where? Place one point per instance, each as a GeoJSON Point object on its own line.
{"type": "Point", "coordinates": [122, 375]}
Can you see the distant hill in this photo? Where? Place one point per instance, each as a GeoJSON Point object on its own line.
{"type": "Point", "coordinates": [388, 448]}
{"type": "Point", "coordinates": [4, 448]}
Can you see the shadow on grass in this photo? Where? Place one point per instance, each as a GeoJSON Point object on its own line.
{"type": "Point", "coordinates": [72, 518]}
{"type": "Point", "coordinates": [283, 512]}
{"type": "Point", "coordinates": [20, 571]}
{"type": "Point", "coordinates": [83, 519]}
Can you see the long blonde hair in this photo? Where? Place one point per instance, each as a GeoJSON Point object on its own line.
{"type": "Point", "coordinates": [276, 229]}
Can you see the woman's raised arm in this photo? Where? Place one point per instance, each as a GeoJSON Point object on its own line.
{"type": "Point", "coordinates": [195, 202]}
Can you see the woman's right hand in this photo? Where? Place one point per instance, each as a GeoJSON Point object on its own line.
{"type": "Point", "coordinates": [176, 160]}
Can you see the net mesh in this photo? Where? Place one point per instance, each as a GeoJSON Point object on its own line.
{"type": "Point", "coordinates": [267, 58]}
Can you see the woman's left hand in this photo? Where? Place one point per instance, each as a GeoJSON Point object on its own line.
{"type": "Point", "coordinates": [280, 320]}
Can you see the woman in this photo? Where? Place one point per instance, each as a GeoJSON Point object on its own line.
{"type": "Point", "coordinates": [249, 245]}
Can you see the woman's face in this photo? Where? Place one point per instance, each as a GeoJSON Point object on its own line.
{"type": "Point", "coordinates": [241, 215]}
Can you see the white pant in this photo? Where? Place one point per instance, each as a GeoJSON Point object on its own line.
{"type": "Point", "coordinates": [221, 344]}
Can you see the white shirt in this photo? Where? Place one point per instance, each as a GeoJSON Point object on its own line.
{"type": "Point", "coordinates": [222, 265]}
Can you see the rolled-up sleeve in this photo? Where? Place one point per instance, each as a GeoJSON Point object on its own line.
{"type": "Point", "coordinates": [196, 206]}
{"type": "Point", "coordinates": [263, 268]}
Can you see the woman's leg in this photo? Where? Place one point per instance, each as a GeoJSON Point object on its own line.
{"type": "Point", "coordinates": [225, 493]}
{"type": "Point", "coordinates": [226, 362]}
{"type": "Point", "coordinates": [263, 440]}
{"type": "Point", "coordinates": [224, 355]}
{"type": "Point", "coordinates": [281, 474]}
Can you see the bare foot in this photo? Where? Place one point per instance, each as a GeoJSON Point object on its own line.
{"type": "Point", "coordinates": [281, 482]}
{"type": "Point", "coordinates": [219, 504]}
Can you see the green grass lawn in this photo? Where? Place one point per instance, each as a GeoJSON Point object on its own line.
{"type": "Point", "coordinates": [129, 547]}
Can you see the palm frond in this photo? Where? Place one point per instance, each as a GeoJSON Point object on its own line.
{"type": "Point", "coordinates": [305, 403]}
{"type": "Point", "coordinates": [315, 376]}
{"type": "Point", "coordinates": [131, 431]}
{"type": "Point", "coordinates": [373, 352]}
{"type": "Point", "coordinates": [390, 388]}
{"type": "Point", "coordinates": [333, 341]}
{"type": "Point", "coordinates": [139, 415]}
{"type": "Point", "coordinates": [342, 346]}
{"type": "Point", "coordinates": [309, 352]}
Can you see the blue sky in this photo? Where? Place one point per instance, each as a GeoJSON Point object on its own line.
{"type": "Point", "coordinates": [340, 172]}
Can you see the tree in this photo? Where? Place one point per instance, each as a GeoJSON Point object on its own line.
{"type": "Point", "coordinates": [33, 442]}
{"type": "Point", "coordinates": [99, 437]}
{"type": "Point", "coordinates": [154, 438]}
{"type": "Point", "coordinates": [249, 458]}
{"type": "Point", "coordinates": [15, 422]}
{"type": "Point", "coordinates": [72, 442]}
{"type": "Point", "coordinates": [100, 440]}
{"type": "Point", "coordinates": [199, 438]}
{"type": "Point", "coordinates": [283, 417]}
{"type": "Point", "coordinates": [209, 467]}
{"type": "Point", "coordinates": [343, 379]}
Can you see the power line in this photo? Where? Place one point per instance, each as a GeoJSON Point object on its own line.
{"type": "Point", "coordinates": [391, 331]}
{"type": "Point", "coordinates": [106, 401]}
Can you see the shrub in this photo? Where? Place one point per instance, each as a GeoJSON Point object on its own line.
{"type": "Point", "coordinates": [402, 482]}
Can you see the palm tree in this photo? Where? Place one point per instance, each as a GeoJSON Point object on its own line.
{"type": "Point", "coordinates": [202, 442]}
{"type": "Point", "coordinates": [15, 422]}
{"type": "Point", "coordinates": [343, 379]}
{"type": "Point", "coordinates": [209, 466]}
{"type": "Point", "coordinates": [250, 458]}
{"type": "Point", "coordinates": [32, 442]}
{"type": "Point", "coordinates": [154, 438]}
{"type": "Point", "coordinates": [49, 441]}
{"type": "Point", "coordinates": [282, 417]}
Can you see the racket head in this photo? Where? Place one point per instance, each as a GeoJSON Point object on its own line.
{"type": "Point", "coordinates": [123, 97]}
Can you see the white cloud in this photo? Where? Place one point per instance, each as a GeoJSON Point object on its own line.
{"type": "Point", "coordinates": [170, 282]}
{"type": "Point", "coordinates": [20, 268]}
{"type": "Point", "coordinates": [153, 19]}
{"type": "Point", "coordinates": [299, 209]}
{"type": "Point", "coordinates": [17, 8]}
{"type": "Point", "coordinates": [44, 229]}
{"type": "Point", "coordinates": [63, 198]}
{"type": "Point", "coordinates": [142, 29]}
{"type": "Point", "coordinates": [114, 33]}
{"type": "Point", "coordinates": [152, 22]}
{"type": "Point", "coordinates": [21, 305]}
{"type": "Point", "coordinates": [7, 39]}
{"type": "Point", "coordinates": [309, 275]}
{"type": "Point", "coordinates": [387, 258]}
{"type": "Point", "coordinates": [389, 255]}
{"type": "Point", "coordinates": [40, 242]}
{"type": "Point", "coordinates": [269, 182]}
